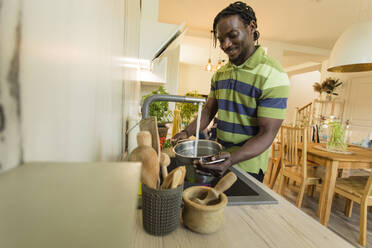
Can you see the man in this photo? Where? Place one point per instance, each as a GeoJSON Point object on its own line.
{"type": "Point", "coordinates": [249, 94]}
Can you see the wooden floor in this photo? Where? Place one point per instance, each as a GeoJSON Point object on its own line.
{"type": "Point", "coordinates": [348, 228]}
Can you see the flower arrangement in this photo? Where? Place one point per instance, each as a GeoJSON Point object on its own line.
{"type": "Point", "coordinates": [329, 86]}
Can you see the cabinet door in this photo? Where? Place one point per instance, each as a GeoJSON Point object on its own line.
{"type": "Point", "coordinates": [360, 108]}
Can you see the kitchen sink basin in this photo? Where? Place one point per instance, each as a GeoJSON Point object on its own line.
{"type": "Point", "coordinates": [243, 191]}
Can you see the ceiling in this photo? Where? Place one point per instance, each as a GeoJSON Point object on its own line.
{"type": "Point", "coordinates": [312, 23]}
{"type": "Point", "coordinates": [316, 23]}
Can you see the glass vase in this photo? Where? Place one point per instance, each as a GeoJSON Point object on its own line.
{"type": "Point", "coordinates": [336, 138]}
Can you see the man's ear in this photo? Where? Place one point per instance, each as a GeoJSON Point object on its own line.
{"type": "Point", "coordinates": [252, 25]}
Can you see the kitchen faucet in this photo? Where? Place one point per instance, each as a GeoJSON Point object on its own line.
{"type": "Point", "coordinates": [168, 98]}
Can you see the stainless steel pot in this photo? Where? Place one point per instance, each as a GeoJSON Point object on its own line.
{"type": "Point", "coordinates": [185, 155]}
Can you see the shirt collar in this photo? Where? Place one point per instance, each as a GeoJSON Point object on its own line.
{"type": "Point", "coordinates": [252, 61]}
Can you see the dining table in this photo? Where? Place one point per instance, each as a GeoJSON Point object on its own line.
{"type": "Point", "coordinates": [354, 158]}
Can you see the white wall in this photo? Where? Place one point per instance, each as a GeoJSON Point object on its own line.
{"type": "Point", "coordinates": [194, 77]}
{"type": "Point", "coordinates": [301, 92]}
{"type": "Point", "coordinates": [73, 100]}
{"type": "Point", "coordinates": [10, 103]}
{"type": "Point", "coordinates": [357, 100]}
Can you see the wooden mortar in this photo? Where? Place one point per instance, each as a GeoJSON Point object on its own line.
{"type": "Point", "coordinates": [202, 218]}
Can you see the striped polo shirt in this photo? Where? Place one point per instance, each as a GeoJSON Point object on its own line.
{"type": "Point", "coordinates": [257, 88]}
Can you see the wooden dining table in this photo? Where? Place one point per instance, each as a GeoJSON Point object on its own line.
{"type": "Point", "coordinates": [361, 158]}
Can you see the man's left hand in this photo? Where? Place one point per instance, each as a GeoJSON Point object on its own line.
{"type": "Point", "coordinates": [217, 169]}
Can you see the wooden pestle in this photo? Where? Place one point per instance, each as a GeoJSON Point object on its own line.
{"type": "Point", "coordinates": [148, 156]}
{"type": "Point", "coordinates": [214, 193]}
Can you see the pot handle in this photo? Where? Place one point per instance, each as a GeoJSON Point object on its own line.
{"type": "Point", "coordinates": [213, 162]}
{"type": "Point", "coordinates": [181, 141]}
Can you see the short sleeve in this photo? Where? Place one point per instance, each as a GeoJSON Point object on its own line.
{"type": "Point", "coordinates": [273, 100]}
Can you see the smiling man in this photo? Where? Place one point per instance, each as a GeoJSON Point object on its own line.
{"type": "Point", "coordinates": [249, 94]}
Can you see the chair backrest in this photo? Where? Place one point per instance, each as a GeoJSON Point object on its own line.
{"type": "Point", "coordinates": [292, 139]}
{"type": "Point", "coordinates": [304, 115]}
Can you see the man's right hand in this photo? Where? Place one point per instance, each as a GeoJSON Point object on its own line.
{"type": "Point", "coordinates": [179, 136]}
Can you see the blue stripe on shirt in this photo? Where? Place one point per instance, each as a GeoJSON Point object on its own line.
{"type": "Point", "coordinates": [236, 108]}
{"type": "Point", "coordinates": [279, 103]}
{"type": "Point", "coordinates": [238, 86]}
{"type": "Point", "coordinates": [237, 128]}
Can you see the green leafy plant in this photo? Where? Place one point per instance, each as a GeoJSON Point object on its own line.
{"type": "Point", "coordinates": [188, 110]}
{"type": "Point", "coordinates": [160, 109]}
{"type": "Point", "coordinates": [329, 86]}
{"type": "Point", "coordinates": [167, 144]}
{"type": "Point", "coordinates": [336, 137]}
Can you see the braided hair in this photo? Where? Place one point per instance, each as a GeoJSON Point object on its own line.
{"type": "Point", "coordinates": [245, 13]}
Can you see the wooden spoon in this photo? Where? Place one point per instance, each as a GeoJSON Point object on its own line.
{"type": "Point", "coordinates": [214, 193]}
{"type": "Point", "coordinates": [167, 183]}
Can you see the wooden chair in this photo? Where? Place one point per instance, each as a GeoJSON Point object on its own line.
{"type": "Point", "coordinates": [356, 189]}
{"type": "Point", "coordinates": [294, 161]}
{"type": "Point", "coordinates": [273, 167]}
{"type": "Point", "coordinates": [304, 115]}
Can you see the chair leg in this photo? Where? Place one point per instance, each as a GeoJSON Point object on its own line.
{"type": "Point", "coordinates": [274, 174]}
{"type": "Point", "coordinates": [320, 198]}
{"type": "Point", "coordinates": [286, 182]}
{"type": "Point", "coordinates": [348, 207]}
{"type": "Point", "coordinates": [310, 190]}
{"type": "Point", "coordinates": [313, 188]}
{"type": "Point", "coordinates": [300, 195]}
{"type": "Point", "coordinates": [268, 173]}
{"type": "Point", "coordinates": [363, 224]}
{"type": "Point", "coordinates": [281, 184]}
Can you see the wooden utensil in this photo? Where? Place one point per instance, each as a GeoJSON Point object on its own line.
{"type": "Point", "coordinates": [176, 179]}
{"type": "Point", "coordinates": [167, 183]}
{"type": "Point", "coordinates": [202, 218]}
{"type": "Point", "coordinates": [222, 185]}
{"type": "Point", "coordinates": [150, 124]}
{"type": "Point", "coordinates": [164, 162]}
{"type": "Point", "coordinates": [147, 155]}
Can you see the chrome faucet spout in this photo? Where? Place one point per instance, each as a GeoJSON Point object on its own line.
{"type": "Point", "coordinates": [168, 98]}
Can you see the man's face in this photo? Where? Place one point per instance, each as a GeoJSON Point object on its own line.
{"type": "Point", "coordinates": [236, 40]}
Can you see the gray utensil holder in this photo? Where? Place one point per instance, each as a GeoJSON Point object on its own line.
{"type": "Point", "coordinates": [161, 209]}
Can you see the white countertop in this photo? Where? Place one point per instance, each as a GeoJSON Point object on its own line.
{"type": "Point", "coordinates": [277, 225]}
{"type": "Point", "coordinates": [68, 205]}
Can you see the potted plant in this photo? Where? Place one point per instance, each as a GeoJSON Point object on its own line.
{"type": "Point", "coordinates": [188, 110]}
{"type": "Point", "coordinates": [160, 109]}
{"type": "Point", "coordinates": [329, 86]}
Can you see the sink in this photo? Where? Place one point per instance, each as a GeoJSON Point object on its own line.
{"type": "Point", "coordinates": [246, 192]}
{"type": "Point", "coordinates": [243, 191]}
